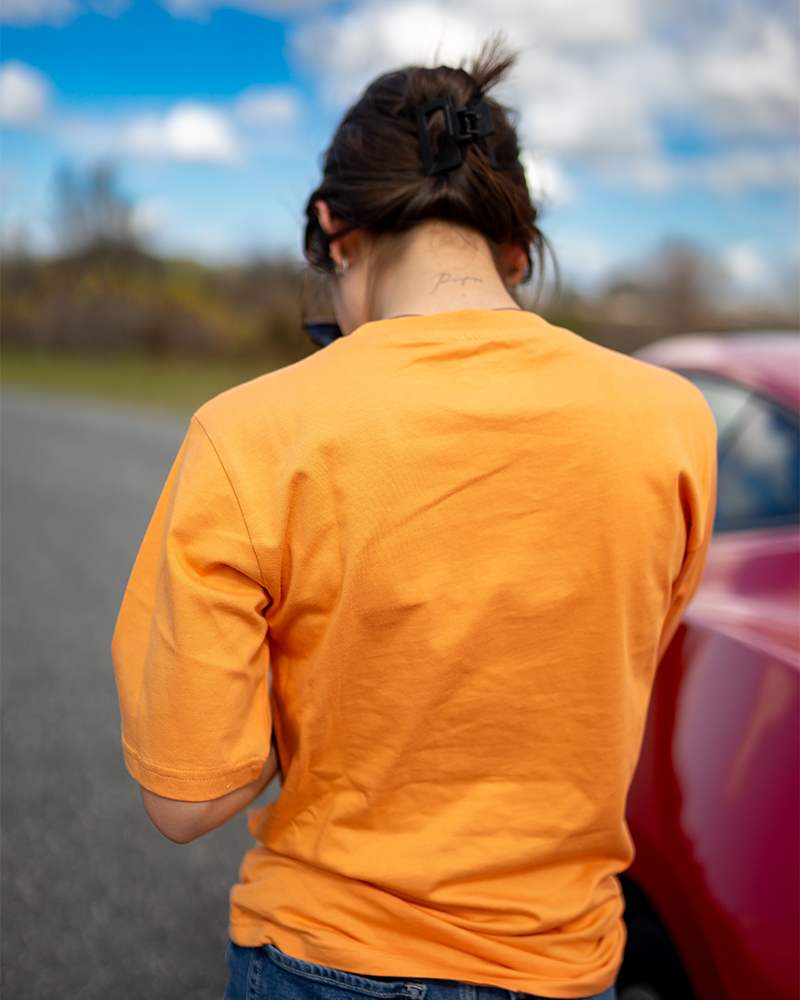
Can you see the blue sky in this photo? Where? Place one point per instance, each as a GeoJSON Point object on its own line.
{"type": "Point", "coordinates": [643, 121]}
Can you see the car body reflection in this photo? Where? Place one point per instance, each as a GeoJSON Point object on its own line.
{"type": "Point", "coordinates": [713, 897]}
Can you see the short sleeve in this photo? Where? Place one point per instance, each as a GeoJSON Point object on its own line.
{"type": "Point", "coordinates": [697, 496]}
{"type": "Point", "coordinates": [190, 648]}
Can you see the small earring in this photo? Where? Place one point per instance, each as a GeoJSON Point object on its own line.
{"type": "Point", "coordinates": [343, 268]}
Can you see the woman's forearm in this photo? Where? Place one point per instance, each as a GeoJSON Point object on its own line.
{"type": "Point", "coordinates": [182, 822]}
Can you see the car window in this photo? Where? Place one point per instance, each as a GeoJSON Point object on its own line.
{"type": "Point", "coordinates": [730, 404]}
{"type": "Point", "coordinates": [759, 458]}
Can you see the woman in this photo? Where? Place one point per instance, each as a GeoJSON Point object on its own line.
{"type": "Point", "coordinates": [458, 540]}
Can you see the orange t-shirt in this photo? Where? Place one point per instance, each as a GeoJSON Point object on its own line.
{"type": "Point", "coordinates": [458, 544]}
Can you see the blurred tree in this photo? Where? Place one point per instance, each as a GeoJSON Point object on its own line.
{"type": "Point", "coordinates": [91, 213]}
{"type": "Point", "coordinates": [677, 290]}
{"type": "Point", "coordinates": [687, 283]}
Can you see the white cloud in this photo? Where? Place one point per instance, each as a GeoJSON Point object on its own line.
{"type": "Point", "coordinates": [595, 83]}
{"type": "Point", "coordinates": [750, 80]}
{"type": "Point", "coordinates": [28, 13]}
{"type": "Point", "coordinates": [372, 38]}
{"type": "Point", "coordinates": [651, 173]}
{"type": "Point", "coordinates": [610, 122]}
{"type": "Point", "coordinates": [749, 168]}
{"type": "Point", "coordinates": [189, 131]}
{"type": "Point", "coordinates": [746, 265]}
{"type": "Point", "coordinates": [574, 23]}
{"type": "Point", "coordinates": [24, 93]}
{"type": "Point", "coordinates": [268, 106]}
{"type": "Point", "coordinates": [598, 104]}
{"type": "Point", "coordinates": [200, 9]}
{"type": "Point", "coordinates": [581, 89]}
{"type": "Point", "coordinates": [150, 218]}
{"type": "Point", "coordinates": [757, 271]}
{"type": "Point", "coordinates": [547, 182]}
{"type": "Point", "coordinates": [733, 172]}
{"type": "Point", "coordinates": [584, 261]}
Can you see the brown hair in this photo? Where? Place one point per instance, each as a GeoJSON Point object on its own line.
{"type": "Point", "coordinates": [373, 174]}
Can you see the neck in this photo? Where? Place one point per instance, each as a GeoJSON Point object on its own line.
{"type": "Point", "coordinates": [439, 267]}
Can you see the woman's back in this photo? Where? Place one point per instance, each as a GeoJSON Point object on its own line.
{"type": "Point", "coordinates": [476, 531]}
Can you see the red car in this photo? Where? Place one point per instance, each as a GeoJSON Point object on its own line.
{"type": "Point", "coordinates": [713, 897]}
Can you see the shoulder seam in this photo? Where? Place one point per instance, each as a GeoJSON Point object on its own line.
{"type": "Point", "coordinates": [210, 440]}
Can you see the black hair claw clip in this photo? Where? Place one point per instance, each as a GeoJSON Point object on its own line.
{"type": "Point", "coordinates": [471, 124]}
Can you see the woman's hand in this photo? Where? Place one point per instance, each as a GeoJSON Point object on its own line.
{"type": "Point", "coordinates": [182, 822]}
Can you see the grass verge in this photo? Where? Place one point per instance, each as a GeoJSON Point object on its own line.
{"type": "Point", "coordinates": [164, 384]}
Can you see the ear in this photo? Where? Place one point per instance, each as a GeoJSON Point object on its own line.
{"type": "Point", "coordinates": [330, 226]}
{"type": "Point", "coordinates": [325, 218]}
{"type": "Point", "coordinates": [354, 245]}
{"type": "Point", "coordinates": [514, 263]}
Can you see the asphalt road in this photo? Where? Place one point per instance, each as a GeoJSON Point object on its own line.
{"type": "Point", "coordinates": [96, 903]}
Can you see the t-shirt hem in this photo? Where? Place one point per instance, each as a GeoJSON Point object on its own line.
{"type": "Point", "coordinates": [253, 934]}
{"type": "Point", "coordinates": [185, 785]}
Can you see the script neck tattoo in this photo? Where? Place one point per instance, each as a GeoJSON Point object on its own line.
{"type": "Point", "coordinates": [445, 278]}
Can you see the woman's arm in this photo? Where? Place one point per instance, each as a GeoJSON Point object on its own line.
{"type": "Point", "coordinates": [182, 822]}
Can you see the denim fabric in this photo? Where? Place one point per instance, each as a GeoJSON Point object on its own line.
{"type": "Point", "coordinates": [267, 974]}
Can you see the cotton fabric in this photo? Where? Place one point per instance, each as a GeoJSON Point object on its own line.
{"type": "Point", "coordinates": [459, 544]}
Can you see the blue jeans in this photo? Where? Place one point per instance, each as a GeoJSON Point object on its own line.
{"type": "Point", "coordinates": [267, 974]}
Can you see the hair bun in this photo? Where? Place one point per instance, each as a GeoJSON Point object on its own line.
{"type": "Point", "coordinates": [374, 172]}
